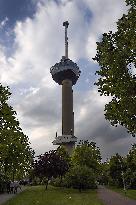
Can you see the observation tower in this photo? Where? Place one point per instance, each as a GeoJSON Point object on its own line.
{"type": "Point", "coordinates": [66, 73]}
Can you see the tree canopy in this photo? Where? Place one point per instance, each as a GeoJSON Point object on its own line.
{"type": "Point", "coordinates": [85, 166]}
{"type": "Point", "coordinates": [81, 177]}
{"type": "Point", "coordinates": [117, 167]}
{"type": "Point", "coordinates": [15, 152]}
{"type": "Point", "coordinates": [51, 164]}
{"type": "Point", "coordinates": [131, 167]}
{"type": "Point", "coordinates": [87, 154]}
{"type": "Point", "coordinates": [116, 55]}
{"type": "Point", "coordinates": [120, 171]}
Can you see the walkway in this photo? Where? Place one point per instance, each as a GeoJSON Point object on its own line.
{"type": "Point", "coordinates": [5, 197]}
{"type": "Point", "coordinates": [109, 197]}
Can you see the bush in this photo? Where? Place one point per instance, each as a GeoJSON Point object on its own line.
{"type": "Point", "coordinates": [58, 182]}
{"type": "Point", "coordinates": [80, 177]}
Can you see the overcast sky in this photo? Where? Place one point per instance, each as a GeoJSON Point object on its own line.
{"type": "Point", "coordinates": [31, 41]}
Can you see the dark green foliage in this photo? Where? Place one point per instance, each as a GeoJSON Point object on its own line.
{"type": "Point", "coordinates": [120, 171]}
{"type": "Point", "coordinates": [131, 168]}
{"type": "Point", "coordinates": [15, 152]}
{"type": "Point", "coordinates": [132, 3]}
{"type": "Point", "coordinates": [117, 169]}
{"type": "Point", "coordinates": [87, 154]}
{"type": "Point", "coordinates": [63, 153]}
{"type": "Point", "coordinates": [58, 182]}
{"type": "Point", "coordinates": [104, 176]}
{"type": "Point", "coordinates": [81, 177]}
{"type": "Point", "coordinates": [116, 55]}
{"type": "Point", "coordinates": [52, 164]}
{"type": "Point", "coordinates": [85, 166]}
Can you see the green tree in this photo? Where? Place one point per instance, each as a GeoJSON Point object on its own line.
{"type": "Point", "coordinates": [15, 152]}
{"type": "Point", "coordinates": [19, 156]}
{"type": "Point", "coordinates": [104, 177]}
{"type": "Point", "coordinates": [131, 167]}
{"type": "Point", "coordinates": [64, 162]}
{"type": "Point", "coordinates": [117, 170]}
{"type": "Point", "coordinates": [85, 166]}
{"type": "Point", "coordinates": [116, 55]}
{"type": "Point", "coordinates": [62, 152]}
{"type": "Point", "coordinates": [81, 177]}
{"type": "Point", "coordinates": [51, 164]}
{"type": "Point", "coordinates": [87, 154]}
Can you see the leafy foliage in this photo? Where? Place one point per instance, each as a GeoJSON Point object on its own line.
{"type": "Point", "coordinates": [120, 171]}
{"type": "Point", "coordinates": [131, 167]}
{"type": "Point", "coordinates": [104, 177]}
{"type": "Point", "coordinates": [51, 164]}
{"type": "Point", "coordinates": [116, 55]}
{"type": "Point", "coordinates": [87, 154]}
{"type": "Point", "coordinates": [85, 166]}
{"type": "Point", "coordinates": [15, 152]}
{"type": "Point", "coordinates": [117, 168]}
{"type": "Point", "coordinates": [81, 177]}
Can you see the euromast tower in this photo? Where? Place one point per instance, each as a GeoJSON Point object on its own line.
{"type": "Point", "coordinates": [66, 73]}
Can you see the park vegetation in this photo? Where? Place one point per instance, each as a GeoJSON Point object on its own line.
{"type": "Point", "coordinates": [37, 195]}
{"type": "Point", "coordinates": [15, 152]}
{"type": "Point", "coordinates": [84, 168]}
{"type": "Point", "coordinates": [52, 164]}
{"type": "Point", "coordinates": [79, 171]}
{"type": "Point", "coordinates": [120, 171]}
{"type": "Point", "coordinates": [116, 56]}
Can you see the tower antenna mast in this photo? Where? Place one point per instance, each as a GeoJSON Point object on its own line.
{"type": "Point", "coordinates": [66, 24]}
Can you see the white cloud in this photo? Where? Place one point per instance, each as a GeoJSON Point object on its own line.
{"type": "Point", "coordinates": [39, 42]}
{"type": "Point", "coordinates": [105, 15]}
{"type": "Point", "coordinates": [3, 22]}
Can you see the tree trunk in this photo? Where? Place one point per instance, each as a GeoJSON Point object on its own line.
{"type": "Point", "coordinates": [13, 176]}
{"type": "Point", "coordinates": [80, 188]}
{"type": "Point", "coordinates": [60, 180]}
{"type": "Point", "coordinates": [46, 186]}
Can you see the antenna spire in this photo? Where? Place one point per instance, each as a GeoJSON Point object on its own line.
{"type": "Point", "coordinates": [66, 24]}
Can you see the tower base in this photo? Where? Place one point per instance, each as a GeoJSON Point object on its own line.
{"type": "Point", "coordinates": [68, 141]}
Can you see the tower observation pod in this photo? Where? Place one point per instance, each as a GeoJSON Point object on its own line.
{"type": "Point", "coordinates": [66, 73]}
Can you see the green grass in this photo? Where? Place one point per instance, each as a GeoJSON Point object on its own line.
{"type": "Point", "coordinates": [54, 196]}
{"type": "Point", "coordinates": [130, 193]}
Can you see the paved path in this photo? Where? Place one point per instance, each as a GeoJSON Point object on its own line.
{"type": "Point", "coordinates": [112, 198]}
{"type": "Point", "coordinates": [5, 197]}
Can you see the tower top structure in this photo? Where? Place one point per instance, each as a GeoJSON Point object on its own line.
{"type": "Point", "coordinates": [66, 68]}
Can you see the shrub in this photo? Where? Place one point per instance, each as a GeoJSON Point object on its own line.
{"type": "Point", "coordinates": [58, 182]}
{"type": "Point", "coordinates": [80, 177]}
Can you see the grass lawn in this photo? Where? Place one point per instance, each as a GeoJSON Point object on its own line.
{"type": "Point", "coordinates": [54, 196]}
{"type": "Point", "coordinates": [130, 193]}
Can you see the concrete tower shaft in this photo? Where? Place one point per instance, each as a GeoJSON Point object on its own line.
{"type": "Point", "coordinates": [67, 108]}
